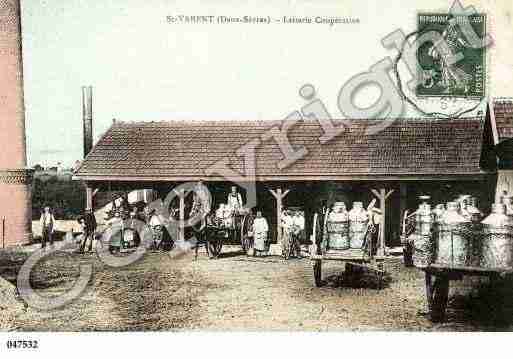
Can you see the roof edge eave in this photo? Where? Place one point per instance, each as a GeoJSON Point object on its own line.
{"type": "Point", "coordinates": [303, 177]}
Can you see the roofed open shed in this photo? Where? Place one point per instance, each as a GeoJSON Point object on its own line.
{"type": "Point", "coordinates": [280, 155]}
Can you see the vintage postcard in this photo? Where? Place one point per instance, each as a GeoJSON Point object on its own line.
{"type": "Point", "coordinates": [290, 166]}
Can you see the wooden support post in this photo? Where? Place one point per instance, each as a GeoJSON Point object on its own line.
{"type": "Point", "coordinates": [279, 196]}
{"type": "Point", "coordinates": [382, 196]}
{"type": "Point", "coordinates": [182, 216]}
{"type": "Point", "coordinates": [440, 298]}
{"type": "Point", "coordinates": [89, 196]}
{"type": "Point", "coordinates": [403, 195]}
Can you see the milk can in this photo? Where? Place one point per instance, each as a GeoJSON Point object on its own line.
{"type": "Point", "coordinates": [338, 227]}
{"type": "Point", "coordinates": [463, 202]}
{"type": "Point", "coordinates": [438, 212]}
{"type": "Point", "coordinates": [475, 214]}
{"type": "Point", "coordinates": [453, 244]}
{"type": "Point", "coordinates": [497, 246]}
{"type": "Point", "coordinates": [358, 221]}
{"type": "Point", "coordinates": [424, 217]}
{"type": "Point", "coordinates": [422, 240]}
{"type": "Point", "coordinates": [508, 201]}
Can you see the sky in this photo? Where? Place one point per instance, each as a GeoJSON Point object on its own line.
{"type": "Point", "coordinates": [143, 68]}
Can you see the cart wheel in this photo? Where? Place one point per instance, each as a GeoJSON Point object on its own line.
{"type": "Point", "coordinates": [317, 269]}
{"type": "Point", "coordinates": [245, 241]}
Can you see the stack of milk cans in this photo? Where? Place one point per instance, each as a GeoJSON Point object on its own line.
{"type": "Point", "coordinates": [346, 230]}
{"type": "Point", "coordinates": [498, 236]}
{"type": "Point", "coordinates": [456, 235]}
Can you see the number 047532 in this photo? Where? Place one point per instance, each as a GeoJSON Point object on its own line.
{"type": "Point", "coordinates": [22, 344]}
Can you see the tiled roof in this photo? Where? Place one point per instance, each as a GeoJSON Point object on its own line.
{"type": "Point", "coordinates": [503, 111]}
{"type": "Point", "coordinates": [165, 150]}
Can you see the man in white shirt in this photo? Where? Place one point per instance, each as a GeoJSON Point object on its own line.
{"type": "Point", "coordinates": [156, 225]}
{"type": "Point", "coordinates": [298, 228]}
{"type": "Point", "coordinates": [47, 222]}
{"type": "Point", "coordinates": [299, 220]}
{"type": "Point", "coordinates": [234, 200]}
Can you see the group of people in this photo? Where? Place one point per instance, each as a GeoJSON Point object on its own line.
{"type": "Point", "coordinates": [227, 214]}
{"type": "Point", "coordinates": [132, 223]}
{"type": "Point", "coordinates": [293, 224]}
{"type": "Point", "coordinates": [234, 205]}
{"type": "Point", "coordinates": [87, 222]}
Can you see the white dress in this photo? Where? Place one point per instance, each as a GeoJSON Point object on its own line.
{"type": "Point", "coordinates": [260, 230]}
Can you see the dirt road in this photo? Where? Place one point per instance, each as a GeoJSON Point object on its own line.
{"type": "Point", "coordinates": [237, 292]}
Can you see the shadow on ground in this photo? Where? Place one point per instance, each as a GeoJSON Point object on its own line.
{"type": "Point", "coordinates": [364, 279]}
{"type": "Point", "coordinates": [487, 306]}
{"type": "Point", "coordinates": [57, 236]}
{"type": "Point", "coordinates": [231, 254]}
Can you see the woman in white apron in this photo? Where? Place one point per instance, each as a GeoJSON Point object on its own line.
{"type": "Point", "coordinates": [260, 231]}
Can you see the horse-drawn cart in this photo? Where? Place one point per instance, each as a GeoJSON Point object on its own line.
{"type": "Point", "coordinates": [235, 227]}
{"type": "Point", "coordinates": [337, 238]}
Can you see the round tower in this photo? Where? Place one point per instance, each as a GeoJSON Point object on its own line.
{"type": "Point", "coordinates": [15, 178]}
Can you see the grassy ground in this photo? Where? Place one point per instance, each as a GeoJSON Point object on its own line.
{"type": "Point", "coordinates": [237, 292]}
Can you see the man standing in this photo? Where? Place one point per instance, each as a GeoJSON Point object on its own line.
{"type": "Point", "coordinates": [286, 225]}
{"type": "Point", "coordinates": [203, 196]}
{"type": "Point", "coordinates": [298, 227]}
{"type": "Point", "coordinates": [47, 222]}
{"type": "Point", "coordinates": [156, 224]}
{"type": "Point", "coordinates": [88, 221]}
{"type": "Point", "coordinates": [196, 208]}
{"type": "Point", "coordinates": [260, 230]}
{"type": "Point", "coordinates": [234, 200]}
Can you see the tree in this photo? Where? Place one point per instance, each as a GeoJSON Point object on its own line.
{"type": "Point", "coordinates": [66, 198]}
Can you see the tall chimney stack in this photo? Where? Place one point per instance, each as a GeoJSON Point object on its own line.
{"type": "Point", "coordinates": [15, 178]}
{"type": "Point", "coordinates": [87, 116]}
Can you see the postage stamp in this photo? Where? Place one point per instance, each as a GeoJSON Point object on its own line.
{"type": "Point", "coordinates": [464, 78]}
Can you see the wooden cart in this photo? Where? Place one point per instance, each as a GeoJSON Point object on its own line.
{"type": "Point", "coordinates": [438, 279]}
{"type": "Point", "coordinates": [439, 275]}
{"type": "Point", "coordinates": [214, 233]}
{"type": "Point", "coordinates": [365, 257]}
